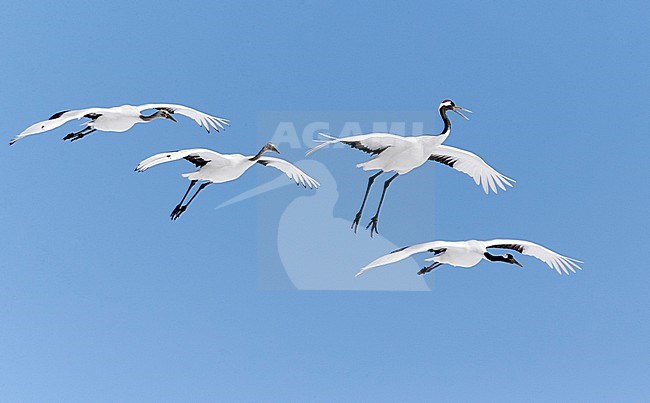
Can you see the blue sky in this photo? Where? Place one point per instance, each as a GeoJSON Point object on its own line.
{"type": "Point", "coordinates": [103, 298]}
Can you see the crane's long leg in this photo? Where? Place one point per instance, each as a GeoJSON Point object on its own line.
{"type": "Point", "coordinates": [176, 211]}
{"type": "Point", "coordinates": [427, 269]}
{"type": "Point", "coordinates": [175, 214]}
{"type": "Point", "coordinates": [373, 221]}
{"type": "Point", "coordinates": [81, 133]}
{"type": "Point", "coordinates": [355, 223]}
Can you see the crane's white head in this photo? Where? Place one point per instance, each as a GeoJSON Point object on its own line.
{"type": "Point", "coordinates": [270, 147]}
{"type": "Point", "coordinates": [511, 259]}
{"type": "Point", "coordinates": [267, 147]}
{"type": "Point", "coordinates": [449, 105]}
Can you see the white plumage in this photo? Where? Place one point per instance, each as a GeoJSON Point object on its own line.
{"type": "Point", "coordinates": [470, 253]}
{"type": "Point", "coordinates": [219, 168]}
{"type": "Point", "coordinates": [400, 154]}
{"type": "Point", "coordinates": [403, 154]}
{"type": "Point", "coordinates": [120, 119]}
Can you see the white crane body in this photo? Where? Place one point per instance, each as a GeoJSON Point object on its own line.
{"type": "Point", "coordinates": [401, 155]}
{"type": "Point", "coordinates": [120, 119]}
{"type": "Point", "coordinates": [466, 254]}
{"type": "Point", "coordinates": [214, 167]}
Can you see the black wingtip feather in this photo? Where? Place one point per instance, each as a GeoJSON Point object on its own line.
{"type": "Point", "coordinates": [57, 115]}
{"type": "Point", "coordinates": [518, 248]}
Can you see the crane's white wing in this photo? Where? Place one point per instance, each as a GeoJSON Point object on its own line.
{"type": "Point", "coordinates": [292, 171]}
{"type": "Point", "coordinates": [554, 260]}
{"type": "Point", "coordinates": [56, 120]}
{"type": "Point", "coordinates": [403, 253]}
{"type": "Point", "coordinates": [372, 143]}
{"type": "Point", "coordinates": [197, 156]}
{"type": "Point", "coordinates": [202, 119]}
{"type": "Point", "coordinates": [472, 165]}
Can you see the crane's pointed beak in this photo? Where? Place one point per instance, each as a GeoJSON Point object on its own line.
{"type": "Point", "coordinates": [171, 118]}
{"type": "Point", "coordinates": [272, 148]}
{"type": "Point", "coordinates": [458, 110]}
{"type": "Point", "coordinates": [517, 263]}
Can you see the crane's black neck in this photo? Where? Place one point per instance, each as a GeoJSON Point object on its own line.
{"type": "Point", "coordinates": [154, 115]}
{"type": "Point", "coordinates": [495, 258]}
{"type": "Point", "coordinates": [445, 119]}
{"type": "Point", "coordinates": [259, 154]}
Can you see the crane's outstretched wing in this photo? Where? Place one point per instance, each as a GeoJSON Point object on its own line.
{"type": "Point", "coordinates": [197, 156]}
{"type": "Point", "coordinates": [56, 120]}
{"type": "Point", "coordinates": [403, 253]}
{"type": "Point", "coordinates": [292, 171]}
{"type": "Point", "coordinates": [202, 119]}
{"type": "Point", "coordinates": [554, 260]}
{"type": "Point", "coordinates": [372, 143]}
{"type": "Point", "coordinates": [472, 165]}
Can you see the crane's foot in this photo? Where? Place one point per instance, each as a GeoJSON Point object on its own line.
{"type": "Point", "coordinates": [429, 268]}
{"type": "Point", "coordinates": [74, 136]}
{"type": "Point", "coordinates": [178, 210]}
{"type": "Point", "coordinates": [373, 225]}
{"type": "Point", "coordinates": [355, 223]}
